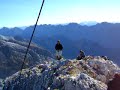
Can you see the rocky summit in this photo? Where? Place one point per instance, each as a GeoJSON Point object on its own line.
{"type": "Point", "coordinates": [12, 53]}
{"type": "Point", "coordinates": [90, 73]}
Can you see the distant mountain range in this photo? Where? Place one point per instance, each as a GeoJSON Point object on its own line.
{"type": "Point", "coordinates": [12, 53]}
{"type": "Point", "coordinates": [98, 39]}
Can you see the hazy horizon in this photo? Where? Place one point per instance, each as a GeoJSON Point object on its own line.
{"type": "Point", "coordinates": [87, 23]}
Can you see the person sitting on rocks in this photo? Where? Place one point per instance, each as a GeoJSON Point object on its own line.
{"type": "Point", "coordinates": [105, 57]}
{"type": "Point", "coordinates": [81, 55]}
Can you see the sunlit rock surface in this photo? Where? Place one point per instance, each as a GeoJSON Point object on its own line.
{"type": "Point", "coordinates": [91, 73]}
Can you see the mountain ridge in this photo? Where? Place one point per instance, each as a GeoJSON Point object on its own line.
{"type": "Point", "coordinates": [104, 36]}
{"type": "Point", "coordinates": [12, 53]}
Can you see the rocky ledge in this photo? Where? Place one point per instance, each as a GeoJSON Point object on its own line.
{"type": "Point", "coordinates": [91, 73]}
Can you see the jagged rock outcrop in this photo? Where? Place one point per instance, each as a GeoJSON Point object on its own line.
{"type": "Point", "coordinates": [91, 73]}
{"type": "Point", "coordinates": [12, 53]}
{"type": "Point", "coordinates": [1, 83]}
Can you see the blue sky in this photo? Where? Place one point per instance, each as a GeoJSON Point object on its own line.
{"type": "Point", "coordinates": [24, 12]}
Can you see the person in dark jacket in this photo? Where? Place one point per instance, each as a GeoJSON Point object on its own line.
{"type": "Point", "coordinates": [81, 55]}
{"type": "Point", "coordinates": [58, 48]}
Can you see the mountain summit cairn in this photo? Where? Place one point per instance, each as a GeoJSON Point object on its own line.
{"type": "Point", "coordinates": [92, 73]}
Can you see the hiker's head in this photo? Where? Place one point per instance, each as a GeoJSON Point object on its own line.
{"type": "Point", "coordinates": [58, 41]}
{"type": "Point", "coordinates": [81, 51]}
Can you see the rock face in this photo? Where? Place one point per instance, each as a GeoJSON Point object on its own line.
{"type": "Point", "coordinates": [1, 84]}
{"type": "Point", "coordinates": [91, 73]}
{"type": "Point", "coordinates": [12, 53]}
